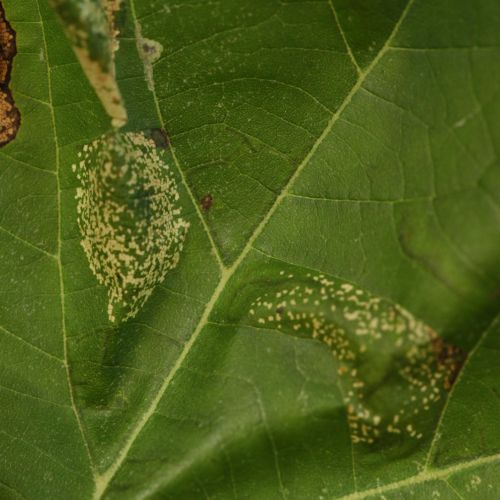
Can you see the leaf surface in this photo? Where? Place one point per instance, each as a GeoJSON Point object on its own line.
{"type": "Point", "coordinates": [349, 151]}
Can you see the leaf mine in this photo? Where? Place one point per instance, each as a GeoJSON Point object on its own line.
{"type": "Point", "coordinates": [90, 25]}
{"type": "Point", "coordinates": [393, 369]}
{"type": "Point", "coordinates": [129, 218]}
{"type": "Point", "coordinates": [150, 52]}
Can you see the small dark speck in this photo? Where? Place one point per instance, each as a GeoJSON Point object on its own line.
{"type": "Point", "coordinates": [206, 202]}
{"type": "Point", "coordinates": [280, 309]}
{"type": "Point", "coordinates": [160, 138]}
{"type": "Point", "coordinates": [147, 48]}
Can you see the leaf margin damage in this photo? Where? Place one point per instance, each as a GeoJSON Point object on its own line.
{"type": "Point", "coordinates": [10, 116]}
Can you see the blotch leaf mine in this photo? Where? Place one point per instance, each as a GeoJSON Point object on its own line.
{"type": "Point", "coordinates": [394, 372]}
{"type": "Point", "coordinates": [129, 218]}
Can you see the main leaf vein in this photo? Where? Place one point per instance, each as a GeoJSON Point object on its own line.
{"type": "Point", "coordinates": [104, 479]}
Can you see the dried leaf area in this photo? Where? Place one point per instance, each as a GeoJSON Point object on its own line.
{"type": "Point", "coordinates": [129, 217]}
{"type": "Point", "coordinates": [91, 27]}
{"type": "Point", "coordinates": [393, 370]}
{"type": "Point", "coordinates": [9, 115]}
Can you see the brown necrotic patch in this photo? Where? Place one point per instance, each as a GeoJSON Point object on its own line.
{"type": "Point", "coordinates": [10, 117]}
{"type": "Point", "coordinates": [206, 202]}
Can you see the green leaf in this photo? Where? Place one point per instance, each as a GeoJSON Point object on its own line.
{"type": "Point", "coordinates": [332, 327]}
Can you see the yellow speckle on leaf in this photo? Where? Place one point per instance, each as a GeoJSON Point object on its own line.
{"type": "Point", "coordinates": [371, 340]}
{"type": "Point", "coordinates": [129, 218]}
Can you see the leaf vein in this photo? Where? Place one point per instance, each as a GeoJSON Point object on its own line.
{"type": "Point", "coordinates": [104, 479]}
{"type": "Point", "coordinates": [59, 243]}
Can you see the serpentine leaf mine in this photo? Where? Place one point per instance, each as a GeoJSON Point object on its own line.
{"type": "Point", "coordinates": [372, 340]}
{"type": "Point", "coordinates": [10, 117]}
{"type": "Point", "coordinates": [90, 25]}
{"type": "Point", "coordinates": [150, 52]}
{"type": "Point", "coordinates": [129, 218]}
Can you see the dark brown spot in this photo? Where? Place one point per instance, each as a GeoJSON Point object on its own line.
{"type": "Point", "coordinates": [160, 138]}
{"type": "Point", "coordinates": [449, 359]}
{"type": "Point", "coordinates": [280, 309]}
{"type": "Point", "coordinates": [10, 117]}
{"type": "Point", "coordinates": [206, 202]}
{"type": "Point", "coordinates": [148, 48]}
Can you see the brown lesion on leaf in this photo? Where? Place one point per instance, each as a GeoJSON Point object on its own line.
{"type": "Point", "coordinates": [10, 117]}
{"type": "Point", "coordinates": [449, 360]}
{"type": "Point", "coordinates": [160, 138]}
{"type": "Point", "coordinates": [206, 202]}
